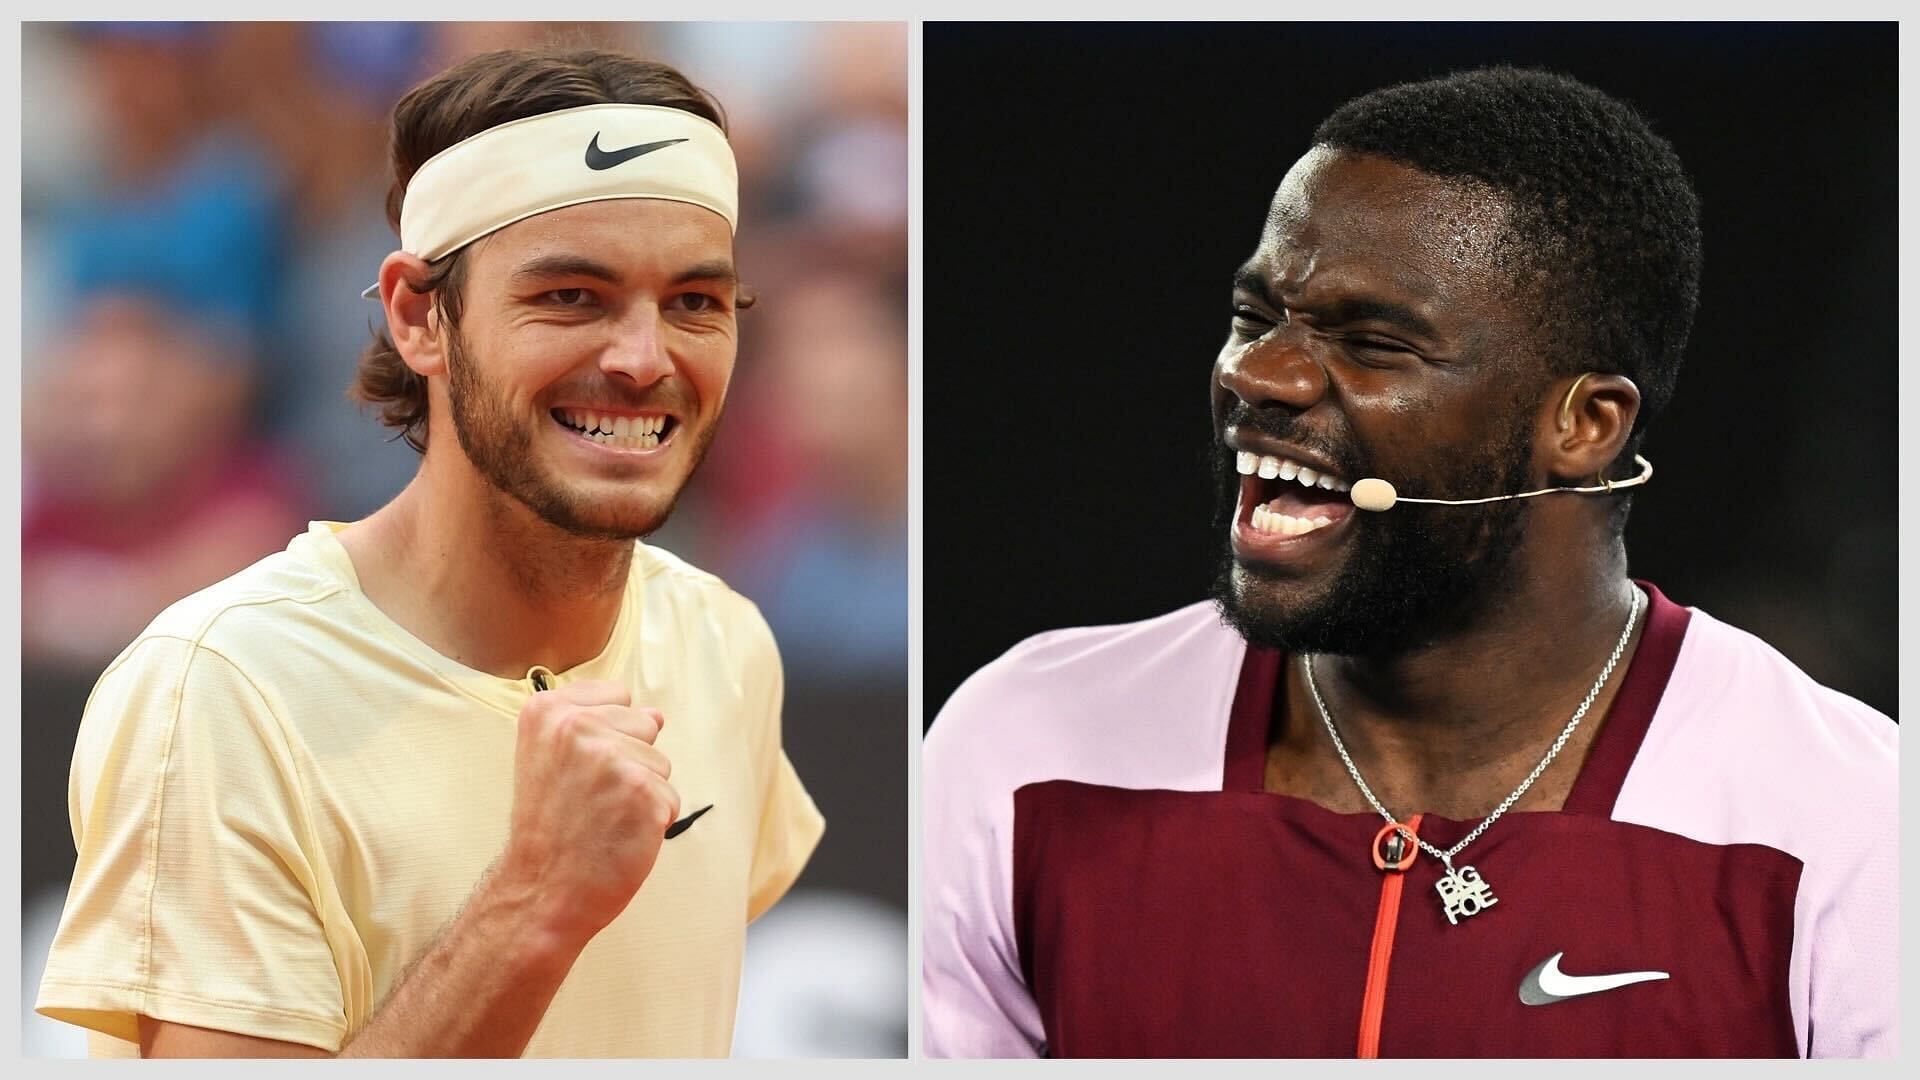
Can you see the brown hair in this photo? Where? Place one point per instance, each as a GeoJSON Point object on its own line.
{"type": "Point", "coordinates": [478, 93]}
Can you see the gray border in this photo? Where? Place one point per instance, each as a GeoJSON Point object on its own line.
{"type": "Point", "coordinates": [916, 501]}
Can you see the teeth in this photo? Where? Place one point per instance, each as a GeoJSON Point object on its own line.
{"type": "Point", "coordinates": [1272, 521]}
{"type": "Point", "coordinates": [629, 433]}
{"type": "Point", "coordinates": [1266, 466]}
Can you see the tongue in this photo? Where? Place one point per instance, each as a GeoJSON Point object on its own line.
{"type": "Point", "coordinates": [1295, 501]}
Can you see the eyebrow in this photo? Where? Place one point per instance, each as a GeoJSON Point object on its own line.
{"type": "Point", "coordinates": [1247, 279]}
{"type": "Point", "coordinates": [549, 266]}
{"type": "Point", "coordinates": [717, 270]}
{"type": "Point", "coordinates": [546, 266]}
{"type": "Point", "coordinates": [1368, 309]}
{"type": "Point", "coordinates": [1338, 312]}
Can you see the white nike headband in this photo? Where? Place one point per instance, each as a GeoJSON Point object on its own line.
{"type": "Point", "coordinates": [530, 166]}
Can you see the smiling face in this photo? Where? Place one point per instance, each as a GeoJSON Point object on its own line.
{"type": "Point", "coordinates": [592, 359]}
{"type": "Point", "coordinates": [1374, 334]}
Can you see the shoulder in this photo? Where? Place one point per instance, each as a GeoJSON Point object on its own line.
{"type": "Point", "coordinates": [1084, 669]}
{"type": "Point", "coordinates": [183, 704]}
{"type": "Point", "coordinates": [1779, 711]}
{"type": "Point", "coordinates": [1159, 641]}
{"type": "Point", "coordinates": [1141, 703]}
{"type": "Point", "coordinates": [207, 648]}
{"type": "Point", "coordinates": [1746, 746]}
{"type": "Point", "coordinates": [659, 567]}
{"type": "Point", "coordinates": [694, 601]}
{"type": "Point", "coordinates": [259, 608]}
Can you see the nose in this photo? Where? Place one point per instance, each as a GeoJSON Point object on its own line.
{"type": "Point", "coordinates": [1278, 371]}
{"type": "Point", "coordinates": [639, 349]}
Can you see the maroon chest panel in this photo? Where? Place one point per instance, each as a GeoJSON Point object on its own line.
{"type": "Point", "coordinates": [1236, 923]}
{"type": "Point", "coordinates": [1172, 924]}
{"type": "Point", "coordinates": [1176, 924]}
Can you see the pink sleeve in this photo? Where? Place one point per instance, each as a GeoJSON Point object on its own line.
{"type": "Point", "coordinates": [973, 1000]}
{"type": "Point", "coordinates": [1745, 748]}
{"type": "Point", "coordinates": [1087, 704]}
{"type": "Point", "coordinates": [1849, 908]}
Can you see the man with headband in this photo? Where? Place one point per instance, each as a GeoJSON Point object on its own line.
{"type": "Point", "coordinates": [1433, 776]}
{"type": "Point", "coordinates": [479, 775]}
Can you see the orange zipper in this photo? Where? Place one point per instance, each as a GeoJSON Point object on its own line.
{"type": "Point", "coordinates": [1373, 1002]}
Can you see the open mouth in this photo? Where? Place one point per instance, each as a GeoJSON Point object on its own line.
{"type": "Point", "coordinates": [1281, 498]}
{"type": "Point", "coordinates": [644, 432]}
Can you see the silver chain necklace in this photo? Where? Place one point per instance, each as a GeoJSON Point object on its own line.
{"type": "Point", "coordinates": [1463, 891]}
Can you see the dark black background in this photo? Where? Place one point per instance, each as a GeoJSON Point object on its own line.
{"type": "Point", "coordinates": [1089, 190]}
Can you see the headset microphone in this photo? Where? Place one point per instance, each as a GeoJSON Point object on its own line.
{"type": "Point", "coordinates": [1373, 493]}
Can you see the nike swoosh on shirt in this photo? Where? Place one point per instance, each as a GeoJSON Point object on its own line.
{"type": "Point", "coordinates": [607, 159]}
{"type": "Point", "coordinates": [1547, 984]}
{"type": "Point", "coordinates": [686, 823]}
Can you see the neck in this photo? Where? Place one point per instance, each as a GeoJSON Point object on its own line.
{"type": "Point", "coordinates": [1453, 726]}
{"type": "Point", "coordinates": [480, 579]}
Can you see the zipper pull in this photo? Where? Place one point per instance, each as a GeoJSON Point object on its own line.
{"type": "Point", "coordinates": [540, 677]}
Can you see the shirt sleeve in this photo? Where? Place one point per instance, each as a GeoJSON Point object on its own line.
{"type": "Point", "coordinates": [1850, 895]}
{"type": "Point", "coordinates": [974, 1001]}
{"type": "Point", "coordinates": [790, 828]}
{"type": "Point", "coordinates": [192, 893]}
{"type": "Point", "coordinates": [790, 825]}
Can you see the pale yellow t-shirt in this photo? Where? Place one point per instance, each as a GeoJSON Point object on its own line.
{"type": "Point", "coordinates": [280, 797]}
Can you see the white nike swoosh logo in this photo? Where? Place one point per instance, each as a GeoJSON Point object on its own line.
{"type": "Point", "coordinates": [1547, 984]}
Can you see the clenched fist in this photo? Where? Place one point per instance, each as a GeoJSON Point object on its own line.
{"type": "Point", "coordinates": [591, 805]}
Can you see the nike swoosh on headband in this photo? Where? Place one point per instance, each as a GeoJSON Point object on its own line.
{"type": "Point", "coordinates": [597, 159]}
{"type": "Point", "coordinates": [515, 170]}
{"type": "Point", "coordinates": [1547, 984]}
{"type": "Point", "coordinates": [607, 159]}
{"type": "Point", "coordinates": [686, 823]}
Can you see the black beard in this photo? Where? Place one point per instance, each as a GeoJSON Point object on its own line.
{"type": "Point", "coordinates": [1413, 574]}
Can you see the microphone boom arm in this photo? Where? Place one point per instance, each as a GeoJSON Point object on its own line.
{"type": "Point", "coordinates": [1373, 493]}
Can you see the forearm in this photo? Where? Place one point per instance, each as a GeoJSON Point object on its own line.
{"type": "Point", "coordinates": [481, 989]}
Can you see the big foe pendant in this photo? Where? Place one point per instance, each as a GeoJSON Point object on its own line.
{"type": "Point", "coordinates": [1463, 893]}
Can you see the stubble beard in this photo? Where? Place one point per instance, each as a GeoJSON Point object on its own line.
{"type": "Point", "coordinates": [500, 446]}
{"type": "Point", "coordinates": [1413, 574]}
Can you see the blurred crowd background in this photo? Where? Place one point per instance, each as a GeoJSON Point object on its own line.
{"type": "Point", "coordinates": [202, 204]}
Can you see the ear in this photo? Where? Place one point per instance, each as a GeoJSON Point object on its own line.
{"type": "Point", "coordinates": [1586, 424]}
{"type": "Point", "coordinates": [411, 321]}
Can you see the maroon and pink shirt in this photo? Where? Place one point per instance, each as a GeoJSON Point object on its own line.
{"type": "Point", "coordinates": [1105, 876]}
